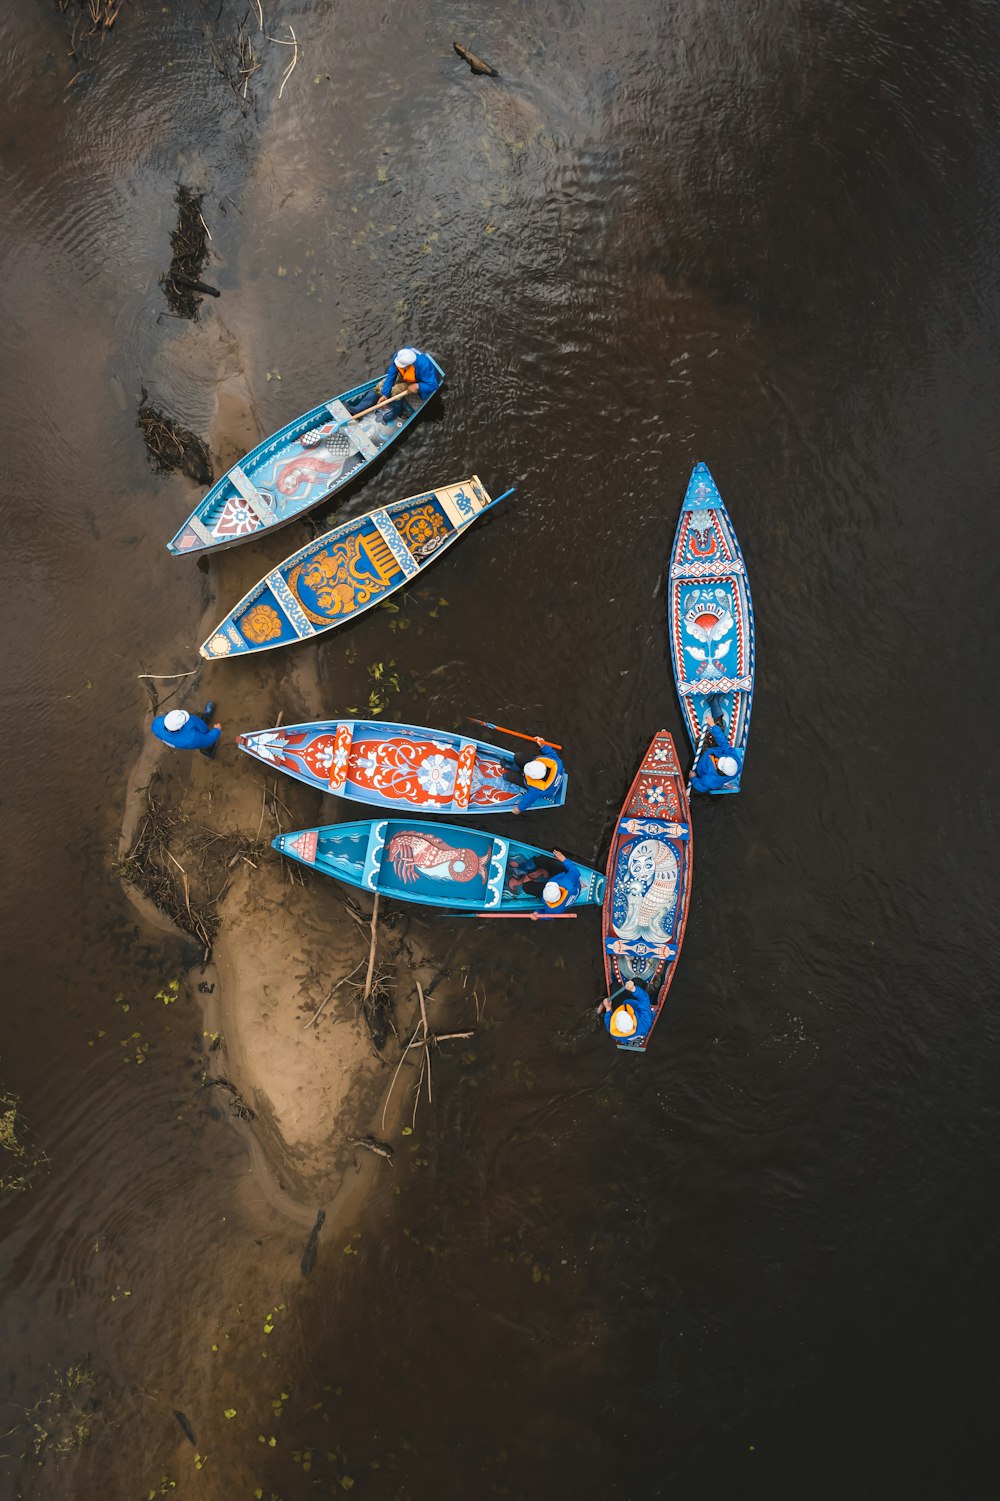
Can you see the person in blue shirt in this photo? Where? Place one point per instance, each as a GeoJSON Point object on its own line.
{"type": "Point", "coordinates": [714, 770]}
{"type": "Point", "coordinates": [418, 376]}
{"type": "Point", "coordinates": [184, 731]}
{"type": "Point", "coordinates": [560, 890]}
{"type": "Point", "coordinates": [632, 1018]}
{"type": "Point", "coordinates": [543, 774]}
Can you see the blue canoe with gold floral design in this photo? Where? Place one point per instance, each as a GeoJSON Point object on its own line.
{"type": "Point", "coordinates": [711, 618]}
{"type": "Point", "coordinates": [436, 864]}
{"type": "Point", "coordinates": [348, 570]}
{"type": "Point", "coordinates": [397, 766]}
{"type": "Point", "coordinates": [299, 466]}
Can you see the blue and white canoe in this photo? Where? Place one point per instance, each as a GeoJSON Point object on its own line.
{"type": "Point", "coordinates": [435, 864]}
{"type": "Point", "coordinates": [338, 576]}
{"type": "Point", "coordinates": [295, 469]}
{"type": "Point", "coordinates": [711, 618]}
{"type": "Point", "coordinates": [395, 766]}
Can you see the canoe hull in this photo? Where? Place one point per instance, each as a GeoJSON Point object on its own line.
{"type": "Point", "coordinates": [393, 766]}
{"type": "Point", "coordinates": [293, 470]}
{"type": "Point", "coordinates": [648, 887]}
{"type": "Point", "coordinates": [711, 617]}
{"type": "Point", "coordinates": [338, 576]}
{"type": "Point", "coordinates": [434, 864]}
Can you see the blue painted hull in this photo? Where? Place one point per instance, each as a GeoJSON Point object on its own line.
{"type": "Point", "coordinates": [348, 570]}
{"type": "Point", "coordinates": [394, 766]}
{"type": "Point", "coordinates": [711, 617]}
{"type": "Point", "coordinates": [298, 467]}
{"type": "Point", "coordinates": [435, 864]}
{"type": "Point", "coordinates": [650, 869]}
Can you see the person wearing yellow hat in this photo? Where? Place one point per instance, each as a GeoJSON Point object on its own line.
{"type": "Point", "coordinates": [542, 772]}
{"type": "Point", "coordinates": [632, 1018]}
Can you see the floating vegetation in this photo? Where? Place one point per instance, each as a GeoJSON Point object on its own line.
{"type": "Point", "coordinates": [173, 447]}
{"type": "Point", "coordinates": [93, 19]}
{"type": "Point", "coordinates": [185, 871]}
{"type": "Point", "coordinates": [62, 1420]}
{"type": "Point", "coordinates": [18, 1155]}
{"type": "Point", "coordinates": [182, 284]}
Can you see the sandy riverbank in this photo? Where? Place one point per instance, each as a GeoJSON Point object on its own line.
{"type": "Point", "coordinates": [303, 1087]}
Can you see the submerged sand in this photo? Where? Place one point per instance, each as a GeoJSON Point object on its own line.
{"type": "Point", "coordinates": [298, 1060]}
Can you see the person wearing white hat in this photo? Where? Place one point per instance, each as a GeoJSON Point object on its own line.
{"type": "Point", "coordinates": [632, 1018]}
{"type": "Point", "coordinates": [560, 890]}
{"type": "Point", "coordinates": [184, 731]}
{"type": "Point", "coordinates": [719, 765]}
{"type": "Point", "coordinates": [543, 774]}
{"type": "Point", "coordinates": [411, 375]}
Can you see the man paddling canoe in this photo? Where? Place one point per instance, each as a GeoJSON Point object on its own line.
{"type": "Point", "coordinates": [552, 877]}
{"type": "Point", "coordinates": [633, 1018]}
{"type": "Point", "coordinates": [410, 374]}
{"type": "Point", "coordinates": [714, 771]}
{"type": "Point", "coordinates": [543, 774]}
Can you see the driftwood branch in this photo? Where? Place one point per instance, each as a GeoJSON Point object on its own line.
{"type": "Point", "coordinates": [318, 1012]}
{"type": "Point", "coordinates": [475, 63]}
{"type": "Point", "coordinates": [371, 951]}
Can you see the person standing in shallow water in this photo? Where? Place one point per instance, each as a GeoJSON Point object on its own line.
{"type": "Point", "coordinates": [184, 731]}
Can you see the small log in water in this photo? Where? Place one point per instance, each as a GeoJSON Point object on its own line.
{"type": "Point", "coordinates": [195, 286]}
{"type": "Point", "coordinates": [475, 63]}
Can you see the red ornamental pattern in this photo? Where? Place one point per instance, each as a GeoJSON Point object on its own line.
{"type": "Point", "coordinates": [419, 773]}
{"type": "Point", "coordinates": [412, 854]}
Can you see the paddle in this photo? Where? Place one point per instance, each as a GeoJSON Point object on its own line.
{"type": "Point", "coordinates": [697, 754]}
{"type": "Point", "coordinates": [516, 733]}
{"type": "Point", "coordinates": [613, 996]}
{"type": "Point", "coordinates": [519, 915]}
{"type": "Point", "coordinates": [356, 416]}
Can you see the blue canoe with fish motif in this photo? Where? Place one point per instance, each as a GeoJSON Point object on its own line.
{"type": "Point", "coordinates": [298, 467]}
{"type": "Point", "coordinates": [648, 890]}
{"type": "Point", "coordinates": [395, 766]}
{"type": "Point", "coordinates": [334, 578]}
{"type": "Point", "coordinates": [711, 618]}
{"type": "Point", "coordinates": [436, 864]}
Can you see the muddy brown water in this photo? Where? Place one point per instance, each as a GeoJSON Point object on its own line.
{"type": "Point", "coordinates": [760, 1261]}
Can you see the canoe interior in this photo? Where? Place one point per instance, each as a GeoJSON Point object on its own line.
{"type": "Point", "coordinates": [649, 881]}
{"type": "Point", "coordinates": [296, 468]}
{"type": "Point", "coordinates": [347, 570]}
{"type": "Point", "coordinates": [711, 617]}
{"type": "Point", "coordinates": [393, 766]}
{"type": "Point", "coordinates": [435, 864]}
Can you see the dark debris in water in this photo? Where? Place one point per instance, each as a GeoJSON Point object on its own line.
{"type": "Point", "coordinates": [172, 446]}
{"type": "Point", "coordinates": [182, 284]}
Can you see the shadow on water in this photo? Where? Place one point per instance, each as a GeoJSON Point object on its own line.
{"type": "Point", "coordinates": [761, 1259]}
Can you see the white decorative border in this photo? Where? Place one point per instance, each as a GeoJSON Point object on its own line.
{"type": "Point", "coordinates": [286, 599]}
{"type": "Point", "coordinates": [383, 524]}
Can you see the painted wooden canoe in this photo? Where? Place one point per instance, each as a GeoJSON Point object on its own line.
{"type": "Point", "coordinates": [299, 466]}
{"type": "Point", "coordinates": [711, 617]}
{"type": "Point", "coordinates": [649, 881]}
{"type": "Point", "coordinates": [436, 864]}
{"type": "Point", "coordinates": [394, 766]}
{"type": "Point", "coordinates": [349, 569]}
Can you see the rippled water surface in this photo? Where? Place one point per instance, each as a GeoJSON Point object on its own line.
{"type": "Point", "coordinates": [760, 1261]}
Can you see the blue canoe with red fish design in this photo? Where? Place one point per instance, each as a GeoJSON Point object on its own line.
{"type": "Point", "coordinates": [711, 618]}
{"type": "Point", "coordinates": [348, 570]}
{"type": "Point", "coordinates": [436, 864]}
{"type": "Point", "coordinates": [298, 467]}
{"type": "Point", "coordinates": [395, 766]}
{"type": "Point", "coordinates": [649, 881]}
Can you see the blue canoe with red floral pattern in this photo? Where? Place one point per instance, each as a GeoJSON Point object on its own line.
{"type": "Point", "coordinates": [336, 577]}
{"type": "Point", "coordinates": [711, 619]}
{"type": "Point", "coordinates": [395, 766]}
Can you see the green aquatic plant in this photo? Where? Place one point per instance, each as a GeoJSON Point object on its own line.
{"type": "Point", "coordinates": [18, 1156]}
{"type": "Point", "coordinates": [61, 1421]}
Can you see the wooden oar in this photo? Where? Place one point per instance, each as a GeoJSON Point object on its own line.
{"type": "Point", "coordinates": [516, 733]}
{"type": "Point", "coordinates": [383, 402]}
{"type": "Point", "coordinates": [613, 996]}
{"type": "Point", "coordinates": [697, 754]}
{"type": "Point", "coordinates": [518, 915]}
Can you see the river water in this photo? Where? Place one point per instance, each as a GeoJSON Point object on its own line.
{"type": "Point", "coordinates": [760, 1261]}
